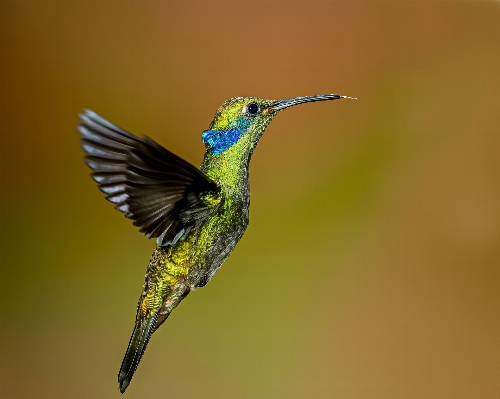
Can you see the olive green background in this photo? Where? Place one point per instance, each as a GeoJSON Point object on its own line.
{"type": "Point", "coordinates": [370, 268]}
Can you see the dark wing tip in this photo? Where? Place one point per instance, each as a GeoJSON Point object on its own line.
{"type": "Point", "coordinates": [89, 114]}
{"type": "Point", "coordinates": [94, 117]}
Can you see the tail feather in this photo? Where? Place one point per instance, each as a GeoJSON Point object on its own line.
{"type": "Point", "coordinates": [136, 347]}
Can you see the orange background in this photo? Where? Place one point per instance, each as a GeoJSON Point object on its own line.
{"type": "Point", "coordinates": [371, 265]}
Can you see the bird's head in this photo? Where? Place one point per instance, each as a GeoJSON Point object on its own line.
{"type": "Point", "coordinates": [240, 122]}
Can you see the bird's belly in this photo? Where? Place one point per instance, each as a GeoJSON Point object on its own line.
{"type": "Point", "coordinates": [191, 263]}
{"type": "Point", "coordinates": [167, 269]}
{"type": "Point", "coordinates": [215, 243]}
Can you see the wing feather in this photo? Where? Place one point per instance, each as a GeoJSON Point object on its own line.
{"type": "Point", "coordinates": [160, 192]}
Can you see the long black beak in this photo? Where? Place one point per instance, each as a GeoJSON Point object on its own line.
{"type": "Point", "coordinates": [288, 102]}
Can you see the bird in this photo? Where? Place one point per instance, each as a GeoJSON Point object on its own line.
{"type": "Point", "coordinates": [197, 216]}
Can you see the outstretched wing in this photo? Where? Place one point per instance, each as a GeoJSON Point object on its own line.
{"type": "Point", "coordinates": [161, 193]}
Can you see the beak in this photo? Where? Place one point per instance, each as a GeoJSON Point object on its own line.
{"type": "Point", "coordinates": [288, 102]}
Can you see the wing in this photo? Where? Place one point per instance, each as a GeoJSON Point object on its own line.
{"type": "Point", "coordinates": [165, 196]}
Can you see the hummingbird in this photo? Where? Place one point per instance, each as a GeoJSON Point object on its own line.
{"type": "Point", "coordinates": [197, 216]}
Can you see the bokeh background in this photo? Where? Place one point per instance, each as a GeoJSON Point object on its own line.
{"type": "Point", "coordinates": [371, 265]}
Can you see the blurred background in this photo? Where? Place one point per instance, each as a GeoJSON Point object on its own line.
{"type": "Point", "coordinates": [370, 268]}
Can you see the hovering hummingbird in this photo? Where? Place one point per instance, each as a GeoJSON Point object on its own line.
{"type": "Point", "coordinates": [196, 215]}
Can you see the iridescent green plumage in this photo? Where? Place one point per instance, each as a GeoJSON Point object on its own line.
{"type": "Point", "coordinates": [197, 216]}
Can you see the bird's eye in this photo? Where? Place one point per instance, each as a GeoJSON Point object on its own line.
{"type": "Point", "coordinates": [252, 109]}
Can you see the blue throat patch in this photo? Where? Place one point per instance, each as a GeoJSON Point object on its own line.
{"type": "Point", "coordinates": [220, 140]}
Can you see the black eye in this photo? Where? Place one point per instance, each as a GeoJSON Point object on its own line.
{"type": "Point", "coordinates": [252, 108]}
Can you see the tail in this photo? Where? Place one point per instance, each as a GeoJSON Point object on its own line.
{"type": "Point", "coordinates": [136, 347]}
